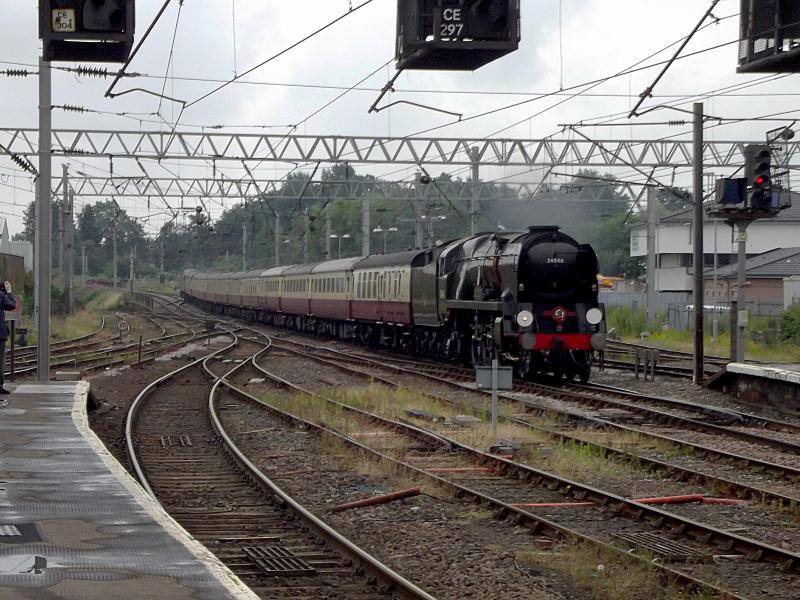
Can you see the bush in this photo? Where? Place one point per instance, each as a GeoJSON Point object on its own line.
{"type": "Point", "coordinates": [790, 324]}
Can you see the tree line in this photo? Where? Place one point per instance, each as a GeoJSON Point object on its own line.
{"type": "Point", "coordinates": [191, 240]}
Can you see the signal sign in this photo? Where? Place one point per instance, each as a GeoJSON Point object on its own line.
{"type": "Point", "coordinates": [87, 30]}
{"type": "Point", "coordinates": [457, 35]}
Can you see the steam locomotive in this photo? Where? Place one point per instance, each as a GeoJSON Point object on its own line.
{"type": "Point", "coordinates": [527, 298]}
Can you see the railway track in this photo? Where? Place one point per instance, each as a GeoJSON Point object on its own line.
{"type": "Point", "coordinates": [506, 486]}
{"type": "Point", "coordinates": [464, 485]}
{"type": "Point", "coordinates": [725, 470]}
{"type": "Point", "coordinates": [182, 454]}
{"type": "Point", "coordinates": [772, 470]}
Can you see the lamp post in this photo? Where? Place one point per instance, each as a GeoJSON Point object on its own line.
{"type": "Point", "coordinates": [340, 237]}
{"type": "Point", "coordinates": [431, 219]}
{"type": "Point", "coordinates": [380, 229]}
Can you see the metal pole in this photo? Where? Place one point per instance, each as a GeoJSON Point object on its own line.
{"type": "Point", "coordinates": [130, 268]}
{"type": "Point", "coordinates": [494, 398]}
{"type": "Point", "coordinates": [114, 247]}
{"type": "Point", "coordinates": [328, 230]}
{"type": "Point", "coordinates": [419, 232]}
{"type": "Point", "coordinates": [69, 266]}
{"type": "Point", "coordinates": [45, 221]}
{"type": "Point", "coordinates": [652, 215]}
{"type": "Point", "coordinates": [734, 327]}
{"type": "Point", "coordinates": [161, 265]}
{"type": "Point", "coordinates": [244, 250]}
{"type": "Point", "coordinates": [306, 234]}
{"type": "Point", "coordinates": [83, 265]}
{"type": "Point", "coordinates": [277, 240]}
{"type": "Point", "coordinates": [37, 227]}
{"type": "Point", "coordinates": [698, 243]}
{"type": "Point", "coordinates": [714, 299]}
{"type": "Point", "coordinates": [741, 292]}
{"type": "Point", "coordinates": [366, 230]}
{"type": "Point", "coordinates": [340, 246]}
{"type": "Point", "coordinates": [13, 357]}
{"type": "Point", "coordinates": [473, 211]}
{"type": "Point", "coordinates": [62, 238]}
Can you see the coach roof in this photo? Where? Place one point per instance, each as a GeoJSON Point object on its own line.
{"type": "Point", "coordinates": [400, 259]}
{"type": "Point", "coordinates": [341, 264]}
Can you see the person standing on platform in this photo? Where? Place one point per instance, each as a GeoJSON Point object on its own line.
{"type": "Point", "coordinates": [7, 302]}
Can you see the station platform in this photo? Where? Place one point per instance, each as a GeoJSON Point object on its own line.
{"type": "Point", "coordinates": [775, 387]}
{"type": "Point", "coordinates": [75, 525]}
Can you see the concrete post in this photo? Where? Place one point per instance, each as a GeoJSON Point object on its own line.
{"type": "Point", "coordinates": [328, 230]}
{"type": "Point", "coordinates": [244, 250]}
{"type": "Point", "coordinates": [366, 226]}
{"type": "Point", "coordinates": [45, 217]}
{"type": "Point", "coordinates": [114, 249]}
{"type": "Point", "coordinates": [741, 291]}
{"type": "Point", "coordinates": [277, 240]}
{"type": "Point", "coordinates": [652, 216]}
{"type": "Point", "coordinates": [698, 374]}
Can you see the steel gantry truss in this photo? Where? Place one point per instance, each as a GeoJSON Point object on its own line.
{"type": "Point", "coordinates": [250, 189]}
{"type": "Point", "coordinates": [548, 152]}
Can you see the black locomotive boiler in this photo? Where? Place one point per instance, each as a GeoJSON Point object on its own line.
{"type": "Point", "coordinates": [528, 298]}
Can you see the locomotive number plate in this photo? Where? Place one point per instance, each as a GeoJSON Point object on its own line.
{"type": "Point", "coordinates": [63, 20]}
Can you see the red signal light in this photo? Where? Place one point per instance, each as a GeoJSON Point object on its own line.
{"type": "Point", "coordinates": [760, 180]}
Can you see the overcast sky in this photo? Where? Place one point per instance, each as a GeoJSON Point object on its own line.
{"type": "Point", "coordinates": [590, 39]}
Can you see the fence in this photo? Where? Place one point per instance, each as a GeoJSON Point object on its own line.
{"type": "Point", "coordinates": [676, 307]}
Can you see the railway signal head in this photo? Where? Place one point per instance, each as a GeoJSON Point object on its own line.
{"type": "Point", "coordinates": [104, 15]}
{"type": "Point", "coordinates": [758, 165]}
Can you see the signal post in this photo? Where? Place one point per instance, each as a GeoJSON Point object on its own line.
{"type": "Point", "coordinates": [71, 31]}
{"type": "Point", "coordinates": [740, 201]}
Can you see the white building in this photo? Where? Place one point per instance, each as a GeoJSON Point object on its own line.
{"type": "Point", "coordinates": [674, 243]}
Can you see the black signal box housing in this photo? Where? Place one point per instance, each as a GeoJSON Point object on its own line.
{"type": "Point", "coordinates": [769, 39]}
{"type": "Point", "coordinates": [455, 35]}
{"type": "Point", "coordinates": [87, 30]}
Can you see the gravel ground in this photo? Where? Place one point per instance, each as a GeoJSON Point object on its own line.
{"type": "Point", "coordinates": [669, 455]}
{"type": "Point", "coordinates": [447, 547]}
{"type": "Point", "coordinates": [683, 389]}
{"type": "Point", "coordinates": [594, 521]}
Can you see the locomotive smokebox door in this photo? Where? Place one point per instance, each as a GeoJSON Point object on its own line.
{"type": "Point", "coordinates": [455, 35]}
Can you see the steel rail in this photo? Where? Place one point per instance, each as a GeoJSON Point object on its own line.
{"type": "Point", "coordinates": [778, 470]}
{"type": "Point", "coordinates": [658, 517]}
{"type": "Point", "coordinates": [581, 397]}
{"type": "Point", "coordinates": [503, 510]}
{"type": "Point", "coordinates": [389, 578]}
{"type": "Point", "coordinates": [135, 407]}
{"type": "Point", "coordinates": [675, 471]}
{"type": "Point", "coordinates": [747, 418]}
